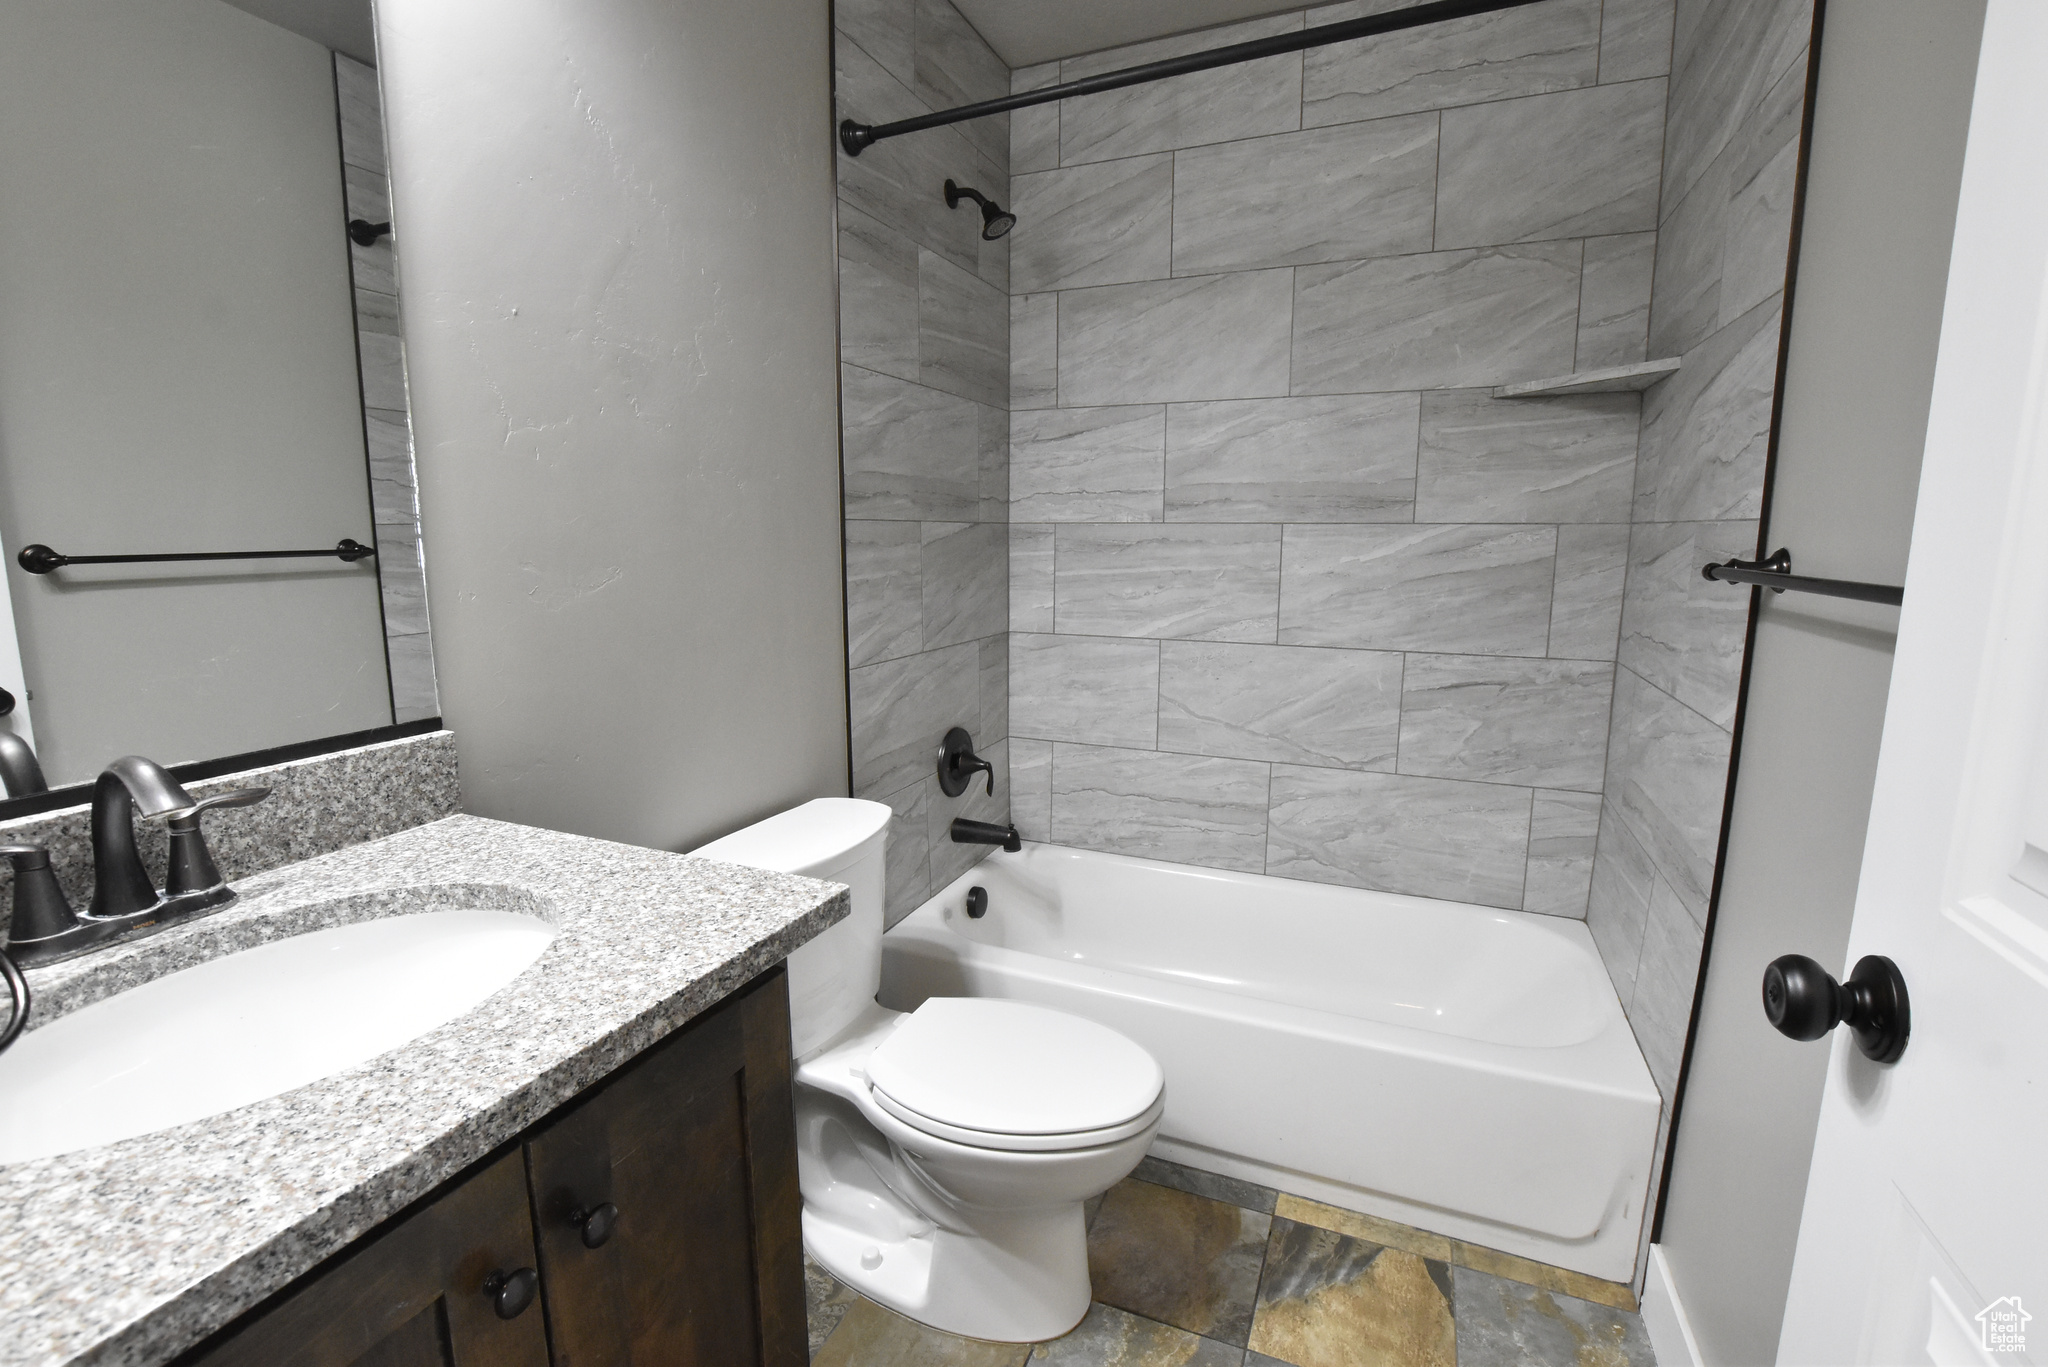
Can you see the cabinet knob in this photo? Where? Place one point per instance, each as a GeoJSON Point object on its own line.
{"type": "Point", "coordinates": [512, 1292]}
{"type": "Point", "coordinates": [596, 1224]}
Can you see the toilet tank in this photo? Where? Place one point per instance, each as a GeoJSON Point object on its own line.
{"type": "Point", "coordinates": [839, 839]}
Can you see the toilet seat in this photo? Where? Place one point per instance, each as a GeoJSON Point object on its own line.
{"type": "Point", "coordinates": [1012, 1076]}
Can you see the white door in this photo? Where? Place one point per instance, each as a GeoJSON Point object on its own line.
{"type": "Point", "coordinates": [1925, 1231]}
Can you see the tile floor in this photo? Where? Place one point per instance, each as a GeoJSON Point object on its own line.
{"type": "Point", "coordinates": [1191, 1269]}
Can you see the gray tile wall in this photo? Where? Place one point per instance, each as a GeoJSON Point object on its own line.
{"type": "Point", "coordinates": [1291, 591]}
{"type": "Point", "coordinates": [394, 498]}
{"type": "Point", "coordinates": [1731, 139]}
{"type": "Point", "coordinates": [926, 378]}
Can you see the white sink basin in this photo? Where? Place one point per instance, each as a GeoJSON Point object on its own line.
{"type": "Point", "coordinates": [252, 1025]}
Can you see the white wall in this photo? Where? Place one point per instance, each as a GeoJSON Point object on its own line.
{"type": "Point", "coordinates": [617, 218]}
{"type": "Point", "coordinates": [178, 372]}
{"type": "Point", "coordinates": [1889, 123]}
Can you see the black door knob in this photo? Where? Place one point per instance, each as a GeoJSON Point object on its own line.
{"type": "Point", "coordinates": [596, 1224]}
{"type": "Point", "coordinates": [511, 1292]}
{"type": "Point", "coordinates": [1804, 1002]}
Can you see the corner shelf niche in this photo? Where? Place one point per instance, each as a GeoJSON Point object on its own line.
{"type": "Point", "coordinates": [1609, 380]}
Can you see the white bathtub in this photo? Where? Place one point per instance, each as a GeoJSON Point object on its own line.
{"type": "Point", "coordinates": [1457, 1068]}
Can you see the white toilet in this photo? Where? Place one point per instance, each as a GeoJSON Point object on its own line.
{"type": "Point", "coordinates": [944, 1153]}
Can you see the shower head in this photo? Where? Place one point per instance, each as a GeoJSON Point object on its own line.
{"type": "Point", "coordinates": [995, 220]}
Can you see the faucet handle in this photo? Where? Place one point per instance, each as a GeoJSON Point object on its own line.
{"type": "Point", "coordinates": [958, 764]}
{"type": "Point", "coordinates": [233, 797]}
{"type": "Point", "coordinates": [41, 913]}
{"type": "Point", "coordinates": [192, 867]}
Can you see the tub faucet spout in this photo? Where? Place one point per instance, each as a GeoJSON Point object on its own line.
{"type": "Point", "coordinates": [967, 832]}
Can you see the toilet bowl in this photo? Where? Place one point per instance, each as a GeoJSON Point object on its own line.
{"type": "Point", "coordinates": [945, 1154]}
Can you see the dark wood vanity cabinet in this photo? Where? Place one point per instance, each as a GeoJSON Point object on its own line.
{"type": "Point", "coordinates": [695, 1149]}
{"type": "Point", "coordinates": [411, 1295]}
{"type": "Point", "coordinates": [659, 1211]}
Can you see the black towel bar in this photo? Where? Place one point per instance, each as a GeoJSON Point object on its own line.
{"type": "Point", "coordinates": [1775, 574]}
{"type": "Point", "coordinates": [40, 559]}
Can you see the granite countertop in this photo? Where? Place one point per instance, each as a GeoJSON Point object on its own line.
{"type": "Point", "coordinates": [132, 1252]}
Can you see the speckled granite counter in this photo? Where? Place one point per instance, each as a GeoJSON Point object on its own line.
{"type": "Point", "coordinates": [130, 1253]}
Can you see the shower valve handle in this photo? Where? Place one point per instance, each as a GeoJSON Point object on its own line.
{"type": "Point", "coordinates": [958, 764]}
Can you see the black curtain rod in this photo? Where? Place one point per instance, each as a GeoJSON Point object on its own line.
{"type": "Point", "coordinates": [855, 137]}
{"type": "Point", "coordinates": [1776, 575]}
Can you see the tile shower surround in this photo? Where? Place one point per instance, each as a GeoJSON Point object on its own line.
{"type": "Point", "coordinates": [1290, 592]}
{"type": "Point", "coordinates": [1288, 589]}
{"type": "Point", "coordinates": [1738, 97]}
{"type": "Point", "coordinates": [924, 346]}
{"type": "Point", "coordinates": [1738, 89]}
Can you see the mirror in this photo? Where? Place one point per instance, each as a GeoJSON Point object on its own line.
{"type": "Point", "coordinates": [199, 355]}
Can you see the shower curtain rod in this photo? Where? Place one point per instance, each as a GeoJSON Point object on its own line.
{"type": "Point", "coordinates": [856, 137]}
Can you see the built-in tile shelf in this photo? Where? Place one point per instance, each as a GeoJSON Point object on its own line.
{"type": "Point", "coordinates": [1611, 379]}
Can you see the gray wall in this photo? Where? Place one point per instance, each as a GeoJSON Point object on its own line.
{"type": "Point", "coordinates": [1738, 93]}
{"type": "Point", "coordinates": [1889, 125]}
{"type": "Point", "coordinates": [924, 341]}
{"type": "Point", "coordinates": [617, 273]}
{"type": "Point", "coordinates": [177, 372]}
{"type": "Point", "coordinates": [1291, 591]}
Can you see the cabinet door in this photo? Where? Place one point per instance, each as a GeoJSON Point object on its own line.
{"type": "Point", "coordinates": [412, 1296]}
{"type": "Point", "coordinates": [694, 1147]}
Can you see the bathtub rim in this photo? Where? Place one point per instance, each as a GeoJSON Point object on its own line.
{"type": "Point", "coordinates": [1613, 1045]}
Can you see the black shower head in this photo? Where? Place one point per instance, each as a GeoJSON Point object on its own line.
{"type": "Point", "coordinates": [995, 220]}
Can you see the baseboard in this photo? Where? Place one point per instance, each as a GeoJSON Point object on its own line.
{"type": "Point", "coordinates": [1664, 1317]}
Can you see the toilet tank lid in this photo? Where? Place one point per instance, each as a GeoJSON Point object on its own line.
{"type": "Point", "coordinates": [816, 840]}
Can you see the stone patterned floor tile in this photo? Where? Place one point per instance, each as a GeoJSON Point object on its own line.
{"type": "Point", "coordinates": [1508, 1324]}
{"type": "Point", "coordinates": [1329, 1300]}
{"type": "Point", "coordinates": [1562, 1280]}
{"type": "Point", "coordinates": [1455, 1251]}
{"type": "Point", "coordinates": [1178, 1258]}
{"type": "Point", "coordinates": [826, 1301]}
{"type": "Point", "coordinates": [1370, 1228]}
{"type": "Point", "coordinates": [870, 1336]}
{"type": "Point", "coordinates": [1192, 1267]}
{"type": "Point", "coordinates": [1213, 1185]}
{"type": "Point", "coordinates": [1109, 1337]}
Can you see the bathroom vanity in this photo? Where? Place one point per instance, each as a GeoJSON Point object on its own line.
{"type": "Point", "coordinates": [653, 1218]}
{"type": "Point", "coordinates": [593, 1163]}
